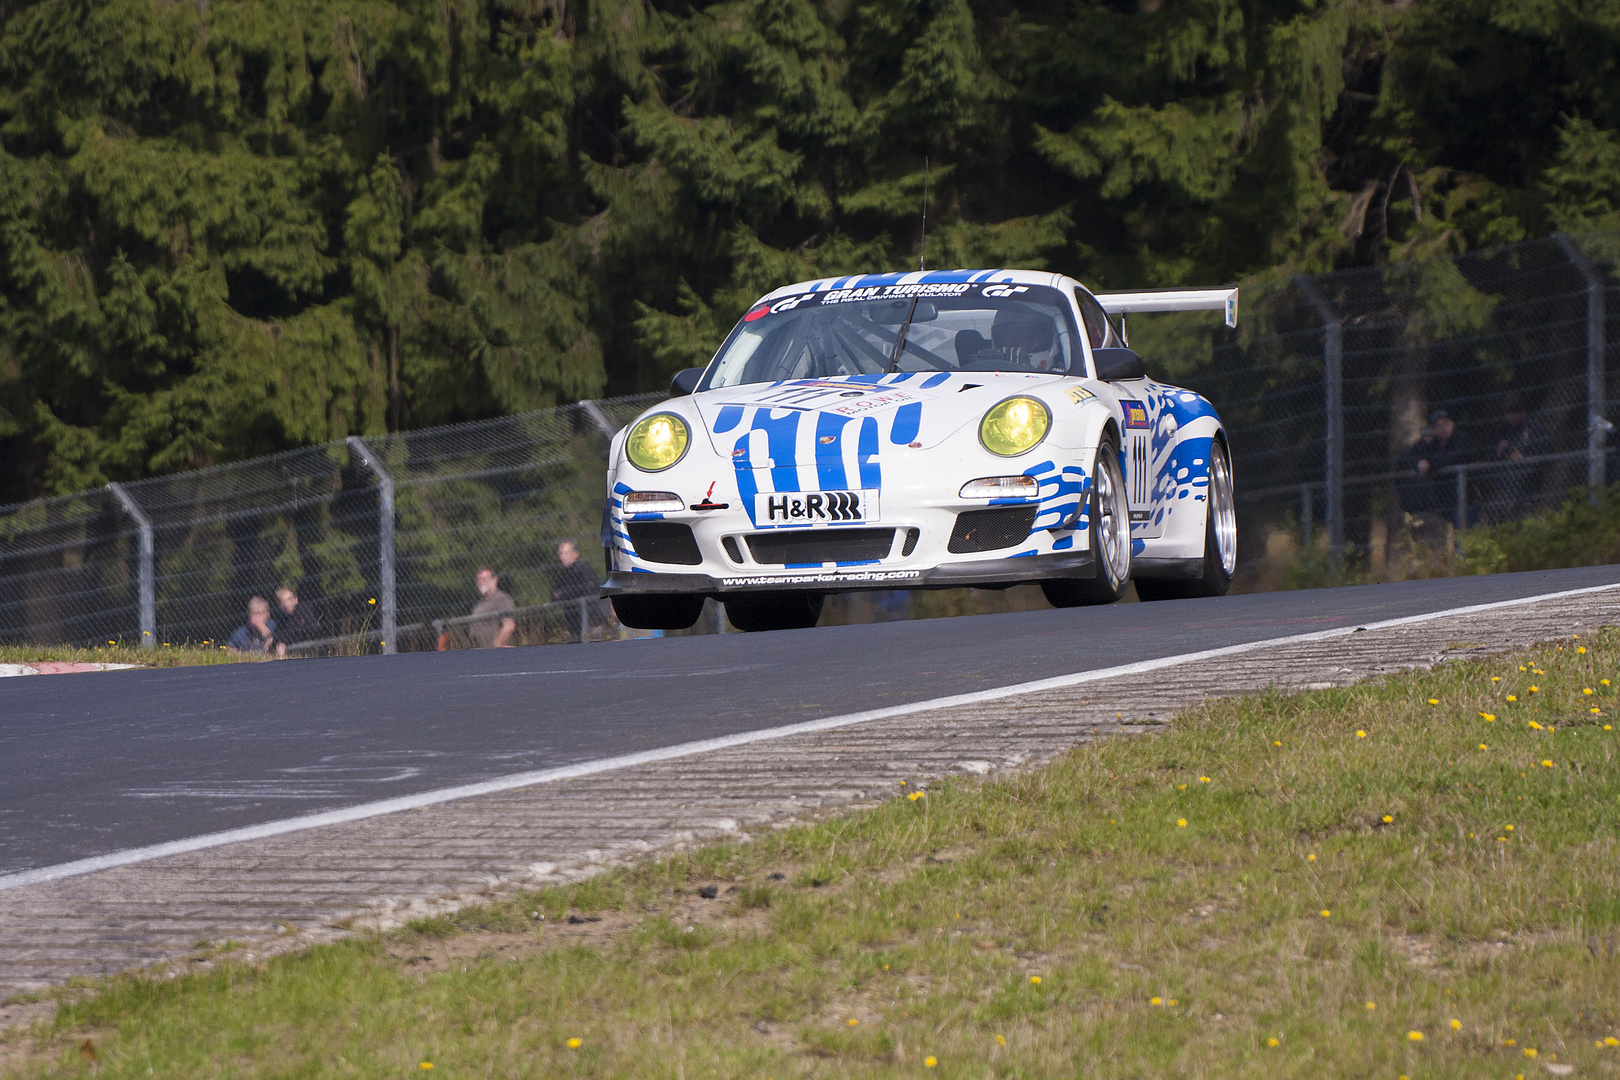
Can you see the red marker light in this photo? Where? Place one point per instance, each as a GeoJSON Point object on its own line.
{"type": "Point", "coordinates": [757, 313]}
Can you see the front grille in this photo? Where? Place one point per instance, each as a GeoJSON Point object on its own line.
{"type": "Point", "coordinates": [987, 530]}
{"type": "Point", "coordinates": [820, 546]}
{"type": "Point", "coordinates": [664, 542]}
{"type": "Point", "coordinates": [733, 552]}
{"type": "Point", "coordinates": [911, 542]}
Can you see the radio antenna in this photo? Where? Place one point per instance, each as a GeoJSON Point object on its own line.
{"type": "Point", "coordinates": [924, 250]}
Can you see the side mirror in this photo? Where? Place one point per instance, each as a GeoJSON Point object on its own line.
{"type": "Point", "coordinates": [685, 381]}
{"type": "Point", "coordinates": [1116, 364]}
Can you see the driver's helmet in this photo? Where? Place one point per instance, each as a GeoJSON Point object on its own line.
{"type": "Point", "coordinates": [1029, 332]}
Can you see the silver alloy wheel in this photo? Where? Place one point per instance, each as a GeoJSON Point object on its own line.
{"type": "Point", "coordinates": [1223, 508]}
{"type": "Point", "coordinates": [1113, 527]}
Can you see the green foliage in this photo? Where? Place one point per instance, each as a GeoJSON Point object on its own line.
{"type": "Point", "coordinates": [227, 229]}
{"type": "Point", "coordinates": [1579, 533]}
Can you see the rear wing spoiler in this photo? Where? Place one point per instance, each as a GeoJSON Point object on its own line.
{"type": "Point", "coordinates": [1124, 303]}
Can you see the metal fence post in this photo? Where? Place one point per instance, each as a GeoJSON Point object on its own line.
{"type": "Point", "coordinates": [1333, 405]}
{"type": "Point", "coordinates": [1597, 425]}
{"type": "Point", "coordinates": [385, 536]}
{"type": "Point", "coordinates": [1462, 497]}
{"type": "Point", "coordinates": [145, 569]}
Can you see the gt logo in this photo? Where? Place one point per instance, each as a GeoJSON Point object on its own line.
{"type": "Point", "coordinates": [1006, 290]}
{"type": "Point", "coordinates": [787, 305]}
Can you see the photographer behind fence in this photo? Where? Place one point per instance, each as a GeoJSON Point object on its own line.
{"type": "Point", "coordinates": [1427, 492]}
{"type": "Point", "coordinates": [577, 587]}
{"type": "Point", "coordinates": [258, 635]}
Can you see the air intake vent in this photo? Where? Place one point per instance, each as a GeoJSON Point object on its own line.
{"type": "Point", "coordinates": [911, 542]}
{"type": "Point", "coordinates": [820, 546]}
{"type": "Point", "coordinates": [665, 542]}
{"type": "Point", "coordinates": [987, 530]}
{"type": "Point", "coordinates": [733, 552]}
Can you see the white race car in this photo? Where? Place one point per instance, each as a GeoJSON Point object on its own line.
{"type": "Point", "coordinates": [922, 430]}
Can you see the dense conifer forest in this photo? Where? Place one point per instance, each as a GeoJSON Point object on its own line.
{"type": "Point", "coordinates": [228, 228]}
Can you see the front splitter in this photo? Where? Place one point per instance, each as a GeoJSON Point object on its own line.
{"type": "Point", "coordinates": [992, 572]}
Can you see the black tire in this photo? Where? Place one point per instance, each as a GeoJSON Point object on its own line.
{"type": "Point", "coordinates": [1220, 540]}
{"type": "Point", "coordinates": [774, 611]}
{"type": "Point", "coordinates": [655, 611]}
{"type": "Point", "coordinates": [1110, 516]}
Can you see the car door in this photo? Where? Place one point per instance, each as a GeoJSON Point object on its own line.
{"type": "Point", "coordinates": [1142, 403]}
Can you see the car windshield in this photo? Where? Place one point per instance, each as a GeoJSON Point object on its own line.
{"type": "Point", "coordinates": [980, 326]}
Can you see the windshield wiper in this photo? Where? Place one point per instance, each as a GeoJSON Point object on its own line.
{"type": "Point", "coordinates": [900, 339]}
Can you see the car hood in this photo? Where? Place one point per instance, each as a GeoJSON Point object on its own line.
{"type": "Point", "coordinates": [763, 425]}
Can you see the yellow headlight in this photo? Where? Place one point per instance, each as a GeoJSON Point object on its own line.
{"type": "Point", "coordinates": [657, 442]}
{"type": "Point", "coordinates": [1014, 426]}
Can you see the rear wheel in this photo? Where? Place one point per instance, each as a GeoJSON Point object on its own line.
{"type": "Point", "coordinates": [1110, 515]}
{"type": "Point", "coordinates": [774, 611]}
{"type": "Point", "coordinates": [658, 611]}
{"type": "Point", "coordinates": [1220, 539]}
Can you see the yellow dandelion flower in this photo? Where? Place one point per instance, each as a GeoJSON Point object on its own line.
{"type": "Point", "coordinates": [1608, 727]}
{"type": "Point", "coordinates": [1203, 779]}
{"type": "Point", "coordinates": [1610, 1040]}
{"type": "Point", "coordinates": [1388, 819]}
{"type": "Point", "coordinates": [1546, 763]}
{"type": "Point", "coordinates": [1371, 1005]}
{"type": "Point", "coordinates": [1587, 690]}
{"type": "Point", "coordinates": [854, 1022]}
{"type": "Point", "coordinates": [1155, 1001]}
{"type": "Point", "coordinates": [1529, 1051]}
{"type": "Point", "coordinates": [1604, 682]}
{"type": "Point", "coordinates": [1534, 726]}
{"type": "Point", "coordinates": [1456, 1025]}
{"type": "Point", "coordinates": [1496, 678]}
{"type": "Point", "coordinates": [1598, 1043]}
{"type": "Point", "coordinates": [1326, 914]}
{"type": "Point", "coordinates": [1434, 701]}
{"type": "Point", "coordinates": [1596, 711]}
{"type": "Point", "coordinates": [1521, 667]}
{"type": "Point", "coordinates": [1181, 787]}
{"type": "Point", "coordinates": [902, 783]}
{"type": "Point", "coordinates": [1272, 1041]}
{"type": "Point", "coordinates": [373, 600]}
{"type": "Point", "coordinates": [1482, 746]}
{"type": "Point", "coordinates": [1276, 742]}
{"type": "Point", "coordinates": [1510, 1042]}
{"type": "Point", "coordinates": [1181, 823]}
{"type": "Point", "coordinates": [1310, 858]}
{"type": "Point", "coordinates": [1360, 734]}
{"type": "Point", "coordinates": [1535, 689]}
{"type": "Point", "coordinates": [1507, 828]}
{"type": "Point", "coordinates": [574, 1044]}
{"type": "Point", "coordinates": [1580, 649]}
{"type": "Point", "coordinates": [1414, 1036]}
{"type": "Point", "coordinates": [1511, 697]}
{"type": "Point", "coordinates": [1501, 839]}
{"type": "Point", "coordinates": [1172, 1001]}
{"type": "Point", "coordinates": [1001, 1040]}
{"type": "Point", "coordinates": [1489, 718]}
{"type": "Point", "coordinates": [930, 1061]}
{"type": "Point", "coordinates": [425, 1065]}
{"type": "Point", "coordinates": [1035, 980]}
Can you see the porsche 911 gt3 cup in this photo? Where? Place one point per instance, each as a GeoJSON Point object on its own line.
{"type": "Point", "coordinates": [921, 430]}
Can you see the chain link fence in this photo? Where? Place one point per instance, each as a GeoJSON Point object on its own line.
{"type": "Point", "coordinates": [1330, 387]}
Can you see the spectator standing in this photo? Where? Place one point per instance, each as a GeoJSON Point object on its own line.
{"type": "Point", "coordinates": [576, 585]}
{"type": "Point", "coordinates": [297, 623]}
{"type": "Point", "coordinates": [1441, 445]}
{"type": "Point", "coordinates": [259, 634]}
{"type": "Point", "coordinates": [1517, 437]}
{"type": "Point", "coordinates": [493, 625]}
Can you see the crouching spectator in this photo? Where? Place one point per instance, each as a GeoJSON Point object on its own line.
{"type": "Point", "coordinates": [297, 623]}
{"type": "Point", "coordinates": [257, 638]}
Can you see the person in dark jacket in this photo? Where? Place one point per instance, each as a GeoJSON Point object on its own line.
{"type": "Point", "coordinates": [577, 587]}
{"type": "Point", "coordinates": [297, 623]}
{"type": "Point", "coordinates": [1440, 445]}
{"type": "Point", "coordinates": [257, 637]}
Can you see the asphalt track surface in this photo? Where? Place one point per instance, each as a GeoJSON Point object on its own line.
{"type": "Point", "coordinates": [93, 764]}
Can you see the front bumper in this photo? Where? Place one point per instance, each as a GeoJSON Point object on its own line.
{"type": "Point", "coordinates": [994, 572]}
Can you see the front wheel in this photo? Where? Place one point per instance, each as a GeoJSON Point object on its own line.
{"type": "Point", "coordinates": [1220, 539]}
{"type": "Point", "coordinates": [658, 611]}
{"type": "Point", "coordinates": [774, 611]}
{"type": "Point", "coordinates": [1110, 515]}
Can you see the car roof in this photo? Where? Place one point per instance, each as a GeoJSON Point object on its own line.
{"type": "Point", "coordinates": [918, 277]}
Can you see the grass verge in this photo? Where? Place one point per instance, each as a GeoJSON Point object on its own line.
{"type": "Point", "coordinates": [1416, 878]}
{"type": "Point", "coordinates": [122, 653]}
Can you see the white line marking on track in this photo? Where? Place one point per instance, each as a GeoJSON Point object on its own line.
{"type": "Point", "coordinates": [705, 746]}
